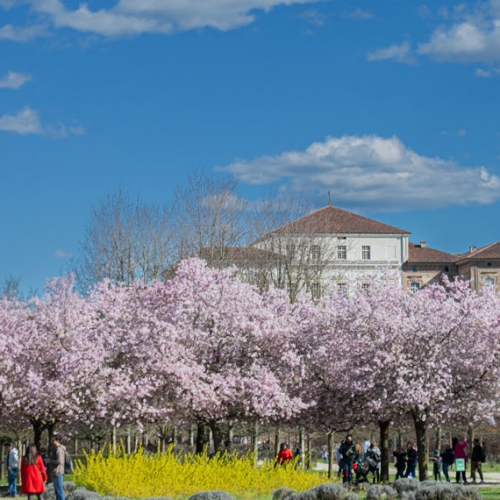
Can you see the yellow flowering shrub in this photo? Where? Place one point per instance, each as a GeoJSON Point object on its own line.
{"type": "Point", "coordinates": [174, 475]}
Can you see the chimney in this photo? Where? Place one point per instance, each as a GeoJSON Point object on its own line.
{"type": "Point", "coordinates": [423, 244]}
{"type": "Point", "coordinates": [472, 249]}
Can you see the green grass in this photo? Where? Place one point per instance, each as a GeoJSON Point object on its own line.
{"type": "Point", "coordinates": [490, 493]}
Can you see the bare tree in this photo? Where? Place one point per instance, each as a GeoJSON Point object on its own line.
{"type": "Point", "coordinates": [298, 256]}
{"type": "Point", "coordinates": [10, 287]}
{"type": "Point", "coordinates": [124, 240]}
{"type": "Point", "coordinates": [209, 218]}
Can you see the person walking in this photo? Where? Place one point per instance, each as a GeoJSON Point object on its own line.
{"type": "Point", "coordinates": [411, 459]}
{"type": "Point", "coordinates": [56, 462]}
{"type": "Point", "coordinates": [459, 453]}
{"type": "Point", "coordinates": [373, 458]}
{"type": "Point", "coordinates": [347, 452]}
{"type": "Point", "coordinates": [12, 466]}
{"type": "Point", "coordinates": [477, 459]}
{"type": "Point", "coordinates": [447, 459]}
{"type": "Point", "coordinates": [400, 457]}
{"type": "Point", "coordinates": [33, 474]}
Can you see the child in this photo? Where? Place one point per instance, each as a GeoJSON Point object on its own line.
{"type": "Point", "coordinates": [438, 461]}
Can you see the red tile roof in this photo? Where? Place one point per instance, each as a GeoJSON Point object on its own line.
{"type": "Point", "coordinates": [417, 253]}
{"type": "Point", "coordinates": [491, 251]}
{"type": "Point", "coordinates": [332, 220]}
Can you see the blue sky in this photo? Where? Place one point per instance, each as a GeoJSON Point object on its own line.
{"type": "Point", "coordinates": [392, 105]}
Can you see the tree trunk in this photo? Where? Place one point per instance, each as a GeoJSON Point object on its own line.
{"type": "Point", "coordinates": [331, 436]}
{"type": "Point", "coordinates": [200, 437]}
{"type": "Point", "coordinates": [255, 439]}
{"type": "Point", "coordinates": [309, 451]}
{"type": "Point", "coordinates": [230, 431]}
{"type": "Point", "coordinates": [50, 430]}
{"type": "Point", "coordinates": [276, 441]}
{"type": "Point", "coordinates": [384, 449]}
{"type": "Point", "coordinates": [191, 436]}
{"type": "Point", "coordinates": [217, 436]}
{"type": "Point", "coordinates": [439, 435]}
{"type": "Point", "coordinates": [129, 442]}
{"type": "Point", "coordinates": [301, 446]}
{"type": "Point", "coordinates": [423, 452]}
{"type": "Point", "coordinates": [113, 437]}
{"type": "Point", "coordinates": [38, 428]}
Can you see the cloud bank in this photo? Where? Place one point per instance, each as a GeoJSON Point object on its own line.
{"type": "Point", "coordinates": [133, 17]}
{"type": "Point", "coordinates": [371, 172]}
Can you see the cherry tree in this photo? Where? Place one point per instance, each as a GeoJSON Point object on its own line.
{"type": "Point", "coordinates": [231, 347]}
{"type": "Point", "coordinates": [51, 374]}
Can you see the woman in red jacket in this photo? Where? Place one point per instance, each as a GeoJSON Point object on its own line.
{"type": "Point", "coordinates": [33, 475]}
{"type": "Point", "coordinates": [285, 455]}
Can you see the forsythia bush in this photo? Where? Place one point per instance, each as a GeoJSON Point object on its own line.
{"type": "Point", "coordinates": [171, 475]}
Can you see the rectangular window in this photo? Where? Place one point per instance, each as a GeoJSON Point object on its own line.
{"type": "Point", "coordinates": [342, 252]}
{"type": "Point", "coordinates": [414, 286]}
{"type": "Point", "coordinates": [315, 290]}
{"type": "Point", "coordinates": [489, 282]}
{"type": "Point", "coordinates": [365, 253]}
{"type": "Point", "coordinates": [315, 252]}
{"type": "Point", "coordinates": [342, 288]}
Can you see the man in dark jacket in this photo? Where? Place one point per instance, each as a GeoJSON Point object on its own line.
{"type": "Point", "coordinates": [347, 452]}
{"type": "Point", "coordinates": [448, 459]}
{"type": "Point", "coordinates": [477, 459]}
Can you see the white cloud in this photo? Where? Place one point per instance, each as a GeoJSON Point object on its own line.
{"type": "Point", "coordinates": [482, 73]}
{"type": "Point", "coordinates": [372, 172]}
{"type": "Point", "coordinates": [132, 17]}
{"type": "Point", "coordinates": [472, 37]}
{"type": "Point", "coordinates": [313, 17]}
{"type": "Point", "coordinates": [358, 14]}
{"type": "Point", "coordinates": [24, 122]}
{"type": "Point", "coordinates": [77, 130]}
{"type": "Point", "coordinates": [61, 254]}
{"type": "Point", "coordinates": [486, 73]}
{"type": "Point", "coordinates": [399, 53]}
{"type": "Point", "coordinates": [27, 121]}
{"type": "Point", "coordinates": [21, 34]}
{"type": "Point", "coordinates": [13, 80]}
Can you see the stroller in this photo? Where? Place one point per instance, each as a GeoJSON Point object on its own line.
{"type": "Point", "coordinates": [369, 466]}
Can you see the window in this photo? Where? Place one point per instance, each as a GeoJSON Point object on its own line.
{"type": "Point", "coordinates": [365, 252]}
{"type": "Point", "coordinates": [315, 252]}
{"type": "Point", "coordinates": [342, 252]}
{"type": "Point", "coordinates": [414, 286]}
{"type": "Point", "coordinates": [446, 269]}
{"type": "Point", "coordinates": [342, 288]}
{"type": "Point", "coordinates": [489, 264]}
{"type": "Point", "coordinates": [489, 282]}
{"type": "Point", "coordinates": [414, 269]}
{"type": "Point", "coordinates": [315, 290]}
{"type": "Point", "coordinates": [365, 287]}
